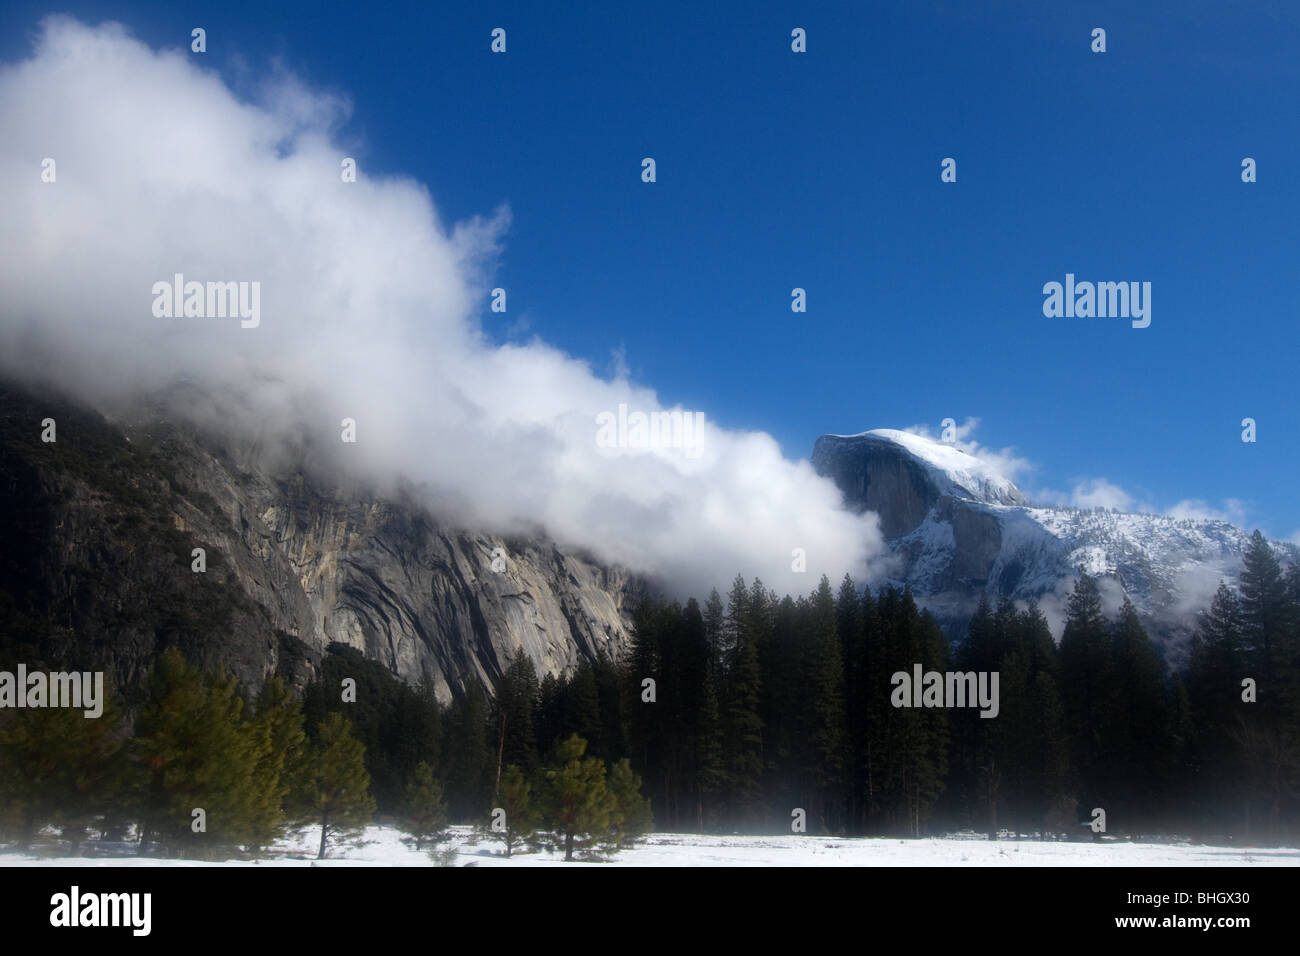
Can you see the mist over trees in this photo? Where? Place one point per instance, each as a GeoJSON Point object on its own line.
{"type": "Point", "coordinates": [752, 713]}
{"type": "Point", "coordinates": [743, 711]}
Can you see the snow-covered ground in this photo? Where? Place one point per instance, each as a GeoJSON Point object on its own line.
{"type": "Point", "coordinates": [384, 846]}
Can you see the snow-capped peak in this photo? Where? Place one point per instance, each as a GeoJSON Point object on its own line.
{"type": "Point", "coordinates": [954, 470]}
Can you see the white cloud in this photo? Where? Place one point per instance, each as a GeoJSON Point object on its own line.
{"type": "Point", "coordinates": [1233, 511]}
{"type": "Point", "coordinates": [1091, 493]}
{"type": "Point", "coordinates": [1005, 461]}
{"type": "Point", "coordinates": [1100, 493]}
{"type": "Point", "coordinates": [369, 305]}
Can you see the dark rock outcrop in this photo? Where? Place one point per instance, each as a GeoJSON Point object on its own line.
{"type": "Point", "coordinates": [99, 528]}
{"type": "Point", "coordinates": [875, 474]}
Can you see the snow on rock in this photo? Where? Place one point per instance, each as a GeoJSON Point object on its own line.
{"type": "Point", "coordinates": [956, 528]}
{"type": "Point", "coordinates": [957, 473]}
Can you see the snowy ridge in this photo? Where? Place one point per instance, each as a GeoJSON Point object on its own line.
{"type": "Point", "coordinates": [1163, 564]}
{"type": "Point", "coordinates": [954, 472]}
{"type": "Point", "coordinates": [957, 529]}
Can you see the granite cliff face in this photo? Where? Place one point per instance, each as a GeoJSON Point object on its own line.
{"type": "Point", "coordinates": [955, 529]}
{"type": "Point", "coordinates": [876, 475]}
{"type": "Point", "coordinates": [943, 532]}
{"type": "Point", "coordinates": [98, 538]}
{"type": "Point", "coordinates": [888, 472]}
{"type": "Point", "coordinates": [100, 527]}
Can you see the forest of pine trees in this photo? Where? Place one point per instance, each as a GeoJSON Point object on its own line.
{"type": "Point", "coordinates": [733, 716]}
{"type": "Point", "coordinates": [204, 773]}
{"type": "Point", "coordinates": [761, 705]}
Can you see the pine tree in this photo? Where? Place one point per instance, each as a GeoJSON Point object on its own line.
{"type": "Point", "coordinates": [58, 766]}
{"type": "Point", "coordinates": [550, 714]}
{"type": "Point", "coordinates": [416, 734]}
{"type": "Point", "coordinates": [579, 804]}
{"type": "Point", "coordinates": [735, 626]}
{"type": "Point", "coordinates": [280, 770]}
{"type": "Point", "coordinates": [1268, 628]}
{"type": "Point", "coordinates": [1183, 774]}
{"type": "Point", "coordinates": [873, 679]}
{"type": "Point", "coordinates": [1087, 691]}
{"type": "Point", "coordinates": [914, 749]}
{"type": "Point", "coordinates": [1039, 744]}
{"type": "Point", "coordinates": [338, 782]}
{"type": "Point", "coordinates": [582, 708]}
{"type": "Point", "coordinates": [848, 611]}
{"type": "Point", "coordinates": [515, 704]}
{"type": "Point", "coordinates": [824, 710]}
{"type": "Point", "coordinates": [29, 769]}
{"type": "Point", "coordinates": [710, 759]}
{"type": "Point", "coordinates": [688, 663]}
{"type": "Point", "coordinates": [784, 662]}
{"type": "Point", "coordinates": [471, 759]}
{"type": "Point", "coordinates": [630, 818]}
{"type": "Point", "coordinates": [1141, 736]}
{"type": "Point", "coordinates": [1217, 649]}
{"type": "Point", "coordinates": [609, 698]}
{"type": "Point", "coordinates": [744, 736]}
{"type": "Point", "coordinates": [931, 771]}
{"type": "Point", "coordinates": [93, 770]}
{"type": "Point", "coordinates": [1214, 676]}
{"type": "Point", "coordinates": [977, 769]}
{"type": "Point", "coordinates": [521, 812]}
{"type": "Point", "coordinates": [1268, 733]}
{"type": "Point", "coordinates": [646, 725]}
{"type": "Point", "coordinates": [1002, 773]}
{"type": "Point", "coordinates": [714, 629]}
{"type": "Point", "coordinates": [424, 811]}
{"type": "Point", "coordinates": [398, 725]}
{"type": "Point", "coordinates": [198, 752]}
{"type": "Point", "coordinates": [1052, 808]}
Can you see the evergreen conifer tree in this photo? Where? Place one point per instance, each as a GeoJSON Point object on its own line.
{"type": "Point", "coordinates": [824, 707]}
{"type": "Point", "coordinates": [579, 804]}
{"type": "Point", "coordinates": [630, 817]}
{"type": "Point", "coordinates": [1140, 737]}
{"type": "Point", "coordinates": [338, 783]}
{"type": "Point", "coordinates": [58, 766]}
{"type": "Point", "coordinates": [280, 771]}
{"type": "Point", "coordinates": [424, 811]}
{"type": "Point", "coordinates": [515, 704]}
{"type": "Point", "coordinates": [199, 753]}
{"type": "Point", "coordinates": [521, 810]}
{"type": "Point", "coordinates": [1088, 691]}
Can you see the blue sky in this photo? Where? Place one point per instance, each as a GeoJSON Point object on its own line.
{"type": "Point", "coordinates": [821, 171]}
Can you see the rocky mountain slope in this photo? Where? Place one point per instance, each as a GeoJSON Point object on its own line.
{"type": "Point", "coordinates": [99, 529]}
{"type": "Point", "coordinates": [96, 552]}
{"type": "Point", "coordinates": [956, 528]}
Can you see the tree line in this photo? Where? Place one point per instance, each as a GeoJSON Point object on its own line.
{"type": "Point", "coordinates": [753, 713]}
{"type": "Point", "coordinates": [757, 713]}
{"type": "Point", "coordinates": [197, 770]}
